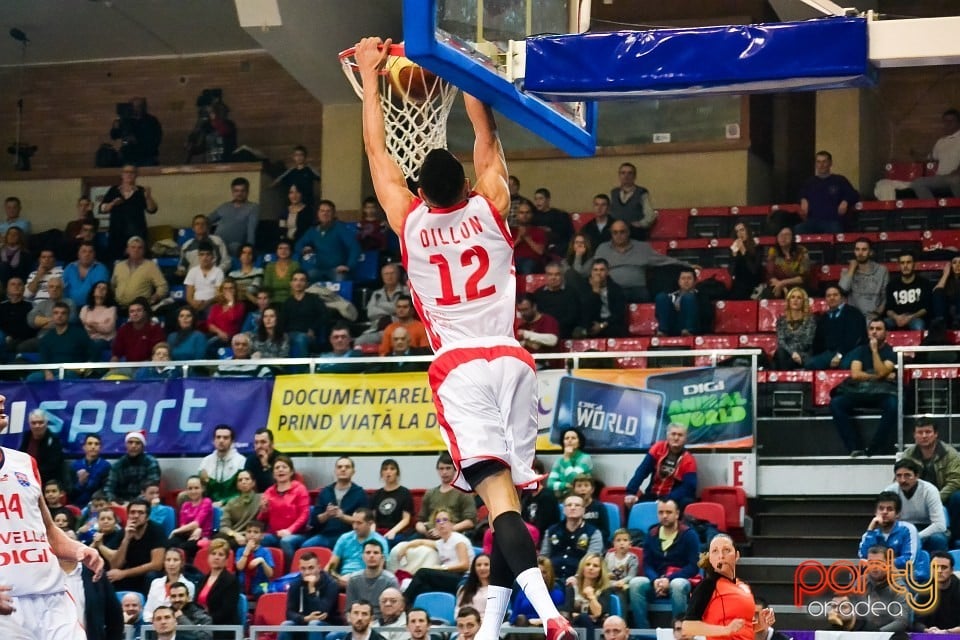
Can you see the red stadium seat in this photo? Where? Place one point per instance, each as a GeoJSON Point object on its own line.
{"type": "Point", "coordinates": [713, 342]}
{"type": "Point", "coordinates": [733, 500]}
{"type": "Point", "coordinates": [736, 316]}
{"type": "Point", "coordinates": [945, 239]}
{"type": "Point", "coordinates": [534, 281]}
{"type": "Point", "coordinates": [904, 171]}
{"type": "Point", "coordinates": [638, 362]}
{"type": "Point", "coordinates": [796, 375]}
{"type": "Point", "coordinates": [824, 382]}
{"type": "Point", "coordinates": [271, 609]}
{"type": "Point", "coordinates": [830, 273]}
{"type": "Point", "coordinates": [613, 495]}
{"type": "Point", "coordinates": [323, 557]}
{"type": "Point", "coordinates": [904, 338]}
{"type": "Point", "coordinates": [818, 305]}
{"type": "Point", "coordinates": [417, 495]}
{"type": "Point", "coordinates": [202, 564]}
{"type": "Point", "coordinates": [720, 275]}
{"type": "Point", "coordinates": [709, 211]}
{"type": "Point", "coordinates": [279, 566]}
{"type": "Point", "coordinates": [710, 511]}
{"type": "Point", "coordinates": [675, 342]}
{"type": "Point", "coordinates": [750, 210]}
{"type": "Point", "coordinates": [671, 224]}
{"type": "Point", "coordinates": [767, 314]}
{"type": "Point", "coordinates": [930, 167]}
{"type": "Point", "coordinates": [765, 341]}
{"type": "Point", "coordinates": [589, 344]}
{"type": "Point", "coordinates": [642, 320]}
{"type": "Point", "coordinates": [580, 219]}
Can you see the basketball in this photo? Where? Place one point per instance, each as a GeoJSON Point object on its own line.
{"type": "Point", "coordinates": [410, 81]}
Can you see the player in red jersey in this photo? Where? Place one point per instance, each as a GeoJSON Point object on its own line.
{"type": "Point", "coordinates": [459, 258]}
{"type": "Point", "coordinates": [34, 602]}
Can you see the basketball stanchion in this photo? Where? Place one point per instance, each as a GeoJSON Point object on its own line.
{"type": "Point", "coordinates": [416, 104]}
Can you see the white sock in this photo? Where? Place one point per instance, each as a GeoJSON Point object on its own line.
{"type": "Point", "coordinates": [498, 601]}
{"type": "Point", "coordinates": [531, 581]}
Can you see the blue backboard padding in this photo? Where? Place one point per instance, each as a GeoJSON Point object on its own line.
{"type": "Point", "coordinates": [813, 54]}
{"type": "Point", "coordinates": [472, 76]}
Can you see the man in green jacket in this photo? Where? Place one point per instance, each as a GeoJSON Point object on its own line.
{"type": "Point", "coordinates": [940, 465]}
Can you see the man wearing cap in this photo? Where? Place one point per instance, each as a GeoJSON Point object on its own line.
{"type": "Point", "coordinates": [130, 472]}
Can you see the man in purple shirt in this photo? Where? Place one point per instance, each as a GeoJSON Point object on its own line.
{"type": "Point", "coordinates": [826, 199]}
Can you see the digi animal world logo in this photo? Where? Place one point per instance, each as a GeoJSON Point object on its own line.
{"type": "Point", "coordinates": [839, 588]}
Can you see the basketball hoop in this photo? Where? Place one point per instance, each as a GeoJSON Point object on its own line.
{"type": "Point", "coordinates": [415, 103]}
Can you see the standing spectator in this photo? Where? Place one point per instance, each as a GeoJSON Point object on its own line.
{"type": "Point", "coordinates": [254, 562]}
{"type": "Point", "coordinates": [99, 315]}
{"type": "Point", "coordinates": [598, 229]}
{"type": "Point", "coordinates": [270, 340]}
{"type": "Point", "coordinates": [788, 266]}
{"type": "Point", "coordinates": [139, 133]}
{"type": "Point", "coordinates": [940, 466]}
{"type": "Point", "coordinates": [334, 243]}
{"type": "Point", "coordinates": [44, 446]}
{"type": "Point", "coordinates": [284, 508]}
{"type": "Point", "coordinates": [946, 152]}
{"type": "Point", "coordinates": [825, 199]}
{"type": "Point", "coordinates": [131, 471]}
{"type": "Point", "coordinates": [671, 468]}
{"type": "Point", "coordinates": [530, 242]}
{"type": "Point", "coordinates": [305, 318]}
{"type": "Point", "coordinates": [260, 462]}
{"type": "Point", "coordinates": [137, 277]}
{"type": "Point", "coordinates": [140, 552]}
{"type": "Point", "coordinates": [190, 251]}
{"type": "Point", "coordinates": [946, 295]}
{"type": "Point", "coordinates": [12, 208]}
{"type": "Point", "coordinates": [628, 259]}
{"type": "Point", "coordinates": [567, 542]}
{"type": "Point", "coordinates": [90, 472]}
{"type": "Point", "coordinates": [631, 203]}
{"type": "Point", "coordinates": [39, 280]}
{"type": "Point", "coordinates": [203, 280]}
{"type": "Point", "coordinates": [908, 297]}
{"type": "Point", "coordinates": [921, 505]}
{"type": "Point", "coordinates": [14, 312]}
{"type": "Point", "coordinates": [248, 275]}
{"type": "Point", "coordinates": [135, 339]}
{"type": "Point", "coordinates": [535, 331]}
{"type": "Point", "coordinates": [312, 597]}
{"type": "Point", "coordinates": [127, 203]}
{"type": "Point", "coordinates": [81, 275]}
{"type": "Point", "coordinates": [747, 264]}
{"type": "Point", "coordinates": [278, 273]}
{"type": "Point", "coordinates": [403, 311]}
{"type": "Point", "coordinates": [336, 503]}
{"type": "Point", "coordinates": [62, 343]}
{"type": "Point", "coordinates": [239, 511]}
{"type": "Point", "coordinates": [382, 303]}
{"type": "Point", "coordinates": [15, 259]}
{"type": "Point", "coordinates": [870, 386]}
{"type": "Point", "coordinates": [679, 313]}
{"type": "Point", "coordinates": [865, 282]}
{"type": "Point", "coordinates": [556, 221]}
{"type": "Point", "coordinates": [195, 521]}
{"type": "Point", "coordinates": [236, 221]}
{"type": "Point", "coordinates": [225, 317]}
{"type": "Point", "coordinates": [392, 504]}
{"type": "Point", "coordinates": [796, 329]}
{"type": "Point", "coordinates": [220, 590]}
{"type": "Point", "coordinates": [574, 462]}
{"type": "Point", "coordinates": [218, 471]}
{"type": "Point", "coordinates": [557, 300]}
{"type": "Point", "coordinates": [839, 332]}
{"type": "Point", "coordinates": [301, 175]}
{"type": "Point", "coordinates": [187, 343]}
{"type": "Point", "coordinates": [299, 216]}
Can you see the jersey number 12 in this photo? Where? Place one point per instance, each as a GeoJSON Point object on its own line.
{"type": "Point", "coordinates": [472, 290]}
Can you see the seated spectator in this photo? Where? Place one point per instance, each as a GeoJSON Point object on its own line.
{"type": "Point", "coordinates": [132, 471]}
{"type": "Point", "coordinates": [284, 509]}
{"type": "Point", "coordinates": [39, 279]}
{"type": "Point", "coordinates": [921, 505]}
{"type": "Point", "coordinates": [220, 591]}
{"type": "Point", "coordinates": [940, 464]}
{"type": "Point", "coordinates": [672, 471]}
{"type": "Point", "coordinates": [788, 266]}
{"type": "Point", "coordinates": [458, 505]}
{"type": "Point", "coordinates": [12, 208]}
{"type": "Point", "coordinates": [188, 612]}
{"type": "Point", "coordinates": [137, 277]}
{"type": "Point", "coordinates": [679, 313]}
{"type": "Point", "coordinates": [99, 315]}
{"type": "Point", "coordinates": [598, 229]}
{"type": "Point", "coordinates": [239, 365]}
{"type": "Point", "coordinates": [203, 280]}
{"type": "Point", "coordinates": [195, 521]}
{"type": "Point", "coordinates": [312, 597]}
{"type": "Point", "coordinates": [558, 301]}
{"type": "Point", "coordinates": [839, 332]}
{"type": "Point", "coordinates": [588, 595]}
{"type": "Point", "coordinates": [300, 213]}
{"type": "Point", "coordinates": [605, 305]}
{"type": "Point", "coordinates": [348, 552]}
{"type": "Point", "coordinates": [392, 504]}
{"type": "Point", "coordinates": [84, 215]}
{"type": "Point", "coordinates": [40, 317]}
{"type": "Point", "coordinates": [473, 592]}
{"type": "Point", "coordinates": [594, 512]}
{"type": "Point", "coordinates": [454, 555]}
{"type": "Point", "coordinates": [335, 506]}
{"type": "Point", "coordinates": [334, 243]}
{"type": "Point", "coordinates": [374, 584]}
{"type": "Point", "coordinates": [15, 259]}
{"type": "Point", "coordinates": [53, 495]}
{"type": "Point", "coordinates": [278, 273]}
{"type": "Point", "coordinates": [305, 318]}
{"type": "Point", "coordinates": [108, 535]}
{"type": "Point", "coordinates": [796, 329]}
{"type": "Point", "coordinates": [89, 473]}
{"type": "Point", "coordinates": [945, 616]}
{"type": "Point", "coordinates": [530, 242]}
{"type": "Point", "coordinates": [253, 317]}
{"type": "Point", "coordinates": [629, 259]}
{"type": "Point", "coordinates": [132, 607]}
{"type": "Point", "coordinates": [270, 340]}
{"type": "Point", "coordinates": [160, 513]}
{"type": "Point", "coordinates": [236, 221]}
{"type": "Point", "coordinates": [522, 613]}
{"type": "Point", "coordinates": [62, 343]}
{"type": "Point", "coordinates": [870, 386]}
{"type": "Point", "coordinates": [341, 347]}
{"type": "Point", "coordinates": [135, 339]}
{"type": "Point", "coordinates": [224, 317]}
{"type": "Point", "coordinates": [555, 222]}
{"type": "Point", "coordinates": [537, 332]}
{"type": "Point", "coordinates": [390, 611]}
{"type": "Point", "coordinates": [574, 462]}
{"type": "Point", "coordinates": [14, 313]}
{"type": "Point", "coordinates": [260, 462]}
{"type": "Point", "coordinates": [887, 531]}
{"type": "Point", "coordinates": [622, 564]}
{"type": "Point", "coordinates": [908, 297]}
{"type": "Point", "coordinates": [946, 295]}
{"type": "Point", "coordinates": [747, 265]}
{"type": "Point", "coordinates": [540, 507]}
{"type": "Point", "coordinates": [826, 199]}
{"type": "Point", "coordinates": [140, 552]}
{"type": "Point", "coordinates": [360, 617]}
{"type": "Point", "coordinates": [254, 562]}
{"type": "Point", "coordinates": [86, 232]}
{"type": "Point", "coordinates": [879, 596]}
{"type": "Point", "coordinates": [567, 542]}
{"type": "Point", "coordinates": [239, 511]}
{"type": "Point", "coordinates": [946, 152]}
{"type": "Point", "coordinates": [187, 343]}
{"type": "Point", "coordinates": [83, 274]}
{"type": "Point", "coordinates": [397, 360]}
{"type": "Point", "coordinates": [159, 353]}
{"type": "Point", "coordinates": [372, 231]}
{"type": "Point", "coordinates": [202, 238]}
{"type": "Point", "coordinates": [865, 281]}
{"type": "Point", "coordinates": [382, 303]}
{"type": "Point", "coordinates": [174, 561]}
{"type": "Point", "coordinates": [405, 317]}
{"type": "Point", "coordinates": [580, 255]}
{"type": "Point", "coordinates": [248, 276]}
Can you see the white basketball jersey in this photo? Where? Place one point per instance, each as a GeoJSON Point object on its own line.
{"type": "Point", "coordinates": [27, 562]}
{"type": "Point", "coordinates": [460, 267]}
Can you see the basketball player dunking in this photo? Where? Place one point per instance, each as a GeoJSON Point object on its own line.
{"type": "Point", "coordinates": [459, 258]}
{"type": "Point", "coordinates": [33, 596]}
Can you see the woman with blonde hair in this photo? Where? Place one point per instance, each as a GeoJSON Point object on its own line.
{"type": "Point", "coordinates": [795, 332]}
{"type": "Point", "coordinates": [588, 594]}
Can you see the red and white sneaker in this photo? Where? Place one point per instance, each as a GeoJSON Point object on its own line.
{"type": "Point", "coordinates": [560, 629]}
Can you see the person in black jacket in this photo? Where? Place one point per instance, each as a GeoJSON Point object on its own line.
{"type": "Point", "coordinates": [312, 598]}
{"type": "Point", "coordinates": [45, 447]}
{"type": "Point", "coordinates": [605, 306]}
{"type": "Point", "coordinates": [840, 330]}
{"type": "Point", "coordinates": [220, 590]}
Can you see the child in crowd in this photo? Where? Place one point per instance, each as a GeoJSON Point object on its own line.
{"type": "Point", "coordinates": [66, 521]}
{"type": "Point", "coordinates": [622, 565]}
{"type": "Point", "coordinates": [594, 511]}
{"type": "Point", "coordinates": [53, 495]}
{"type": "Point", "coordinates": [254, 562]}
{"type": "Point", "coordinates": [89, 516]}
{"type": "Point", "coordinates": [108, 534]}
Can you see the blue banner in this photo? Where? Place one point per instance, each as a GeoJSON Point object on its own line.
{"type": "Point", "coordinates": [178, 416]}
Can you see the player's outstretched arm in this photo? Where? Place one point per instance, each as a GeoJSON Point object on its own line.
{"type": "Point", "coordinates": [488, 160]}
{"type": "Point", "coordinates": [388, 180]}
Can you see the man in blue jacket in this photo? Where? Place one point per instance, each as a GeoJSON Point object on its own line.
{"type": "Point", "coordinates": [312, 598]}
{"type": "Point", "coordinates": [335, 247]}
{"type": "Point", "coordinates": [670, 554]}
{"type": "Point", "coordinates": [887, 531]}
{"type": "Point", "coordinates": [333, 513]}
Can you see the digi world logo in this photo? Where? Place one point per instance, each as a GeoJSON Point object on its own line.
{"type": "Point", "coordinates": [840, 587]}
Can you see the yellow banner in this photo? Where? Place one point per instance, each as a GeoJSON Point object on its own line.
{"type": "Point", "coordinates": [340, 413]}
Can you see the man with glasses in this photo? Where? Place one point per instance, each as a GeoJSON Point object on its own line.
{"type": "Point", "coordinates": [140, 551]}
{"type": "Point", "coordinates": [628, 260]}
{"type": "Point", "coordinates": [565, 543]}
{"type": "Point", "coordinates": [908, 297]}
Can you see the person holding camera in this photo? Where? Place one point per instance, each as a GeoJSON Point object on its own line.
{"type": "Point", "coordinates": [139, 133]}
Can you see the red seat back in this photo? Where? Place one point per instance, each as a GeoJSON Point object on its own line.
{"type": "Point", "coordinates": [733, 499]}
{"type": "Point", "coordinates": [271, 609]}
{"type": "Point", "coordinates": [710, 511]}
{"type": "Point", "coordinates": [735, 316]}
{"type": "Point", "coordinates": [323, 556]}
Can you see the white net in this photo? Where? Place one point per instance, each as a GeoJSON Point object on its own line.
{"type": "Point", "coordinates": [415, 115]}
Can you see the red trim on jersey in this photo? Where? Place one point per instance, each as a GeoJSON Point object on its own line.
{"type": "Point", "coordinates": [500, 222]}
{"type": "Point", "coordinates": [36, 473]}
{"type": "Point", "coordinates": [417, 305]}
{"type": "Point", "coordinates": [450, 360]}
